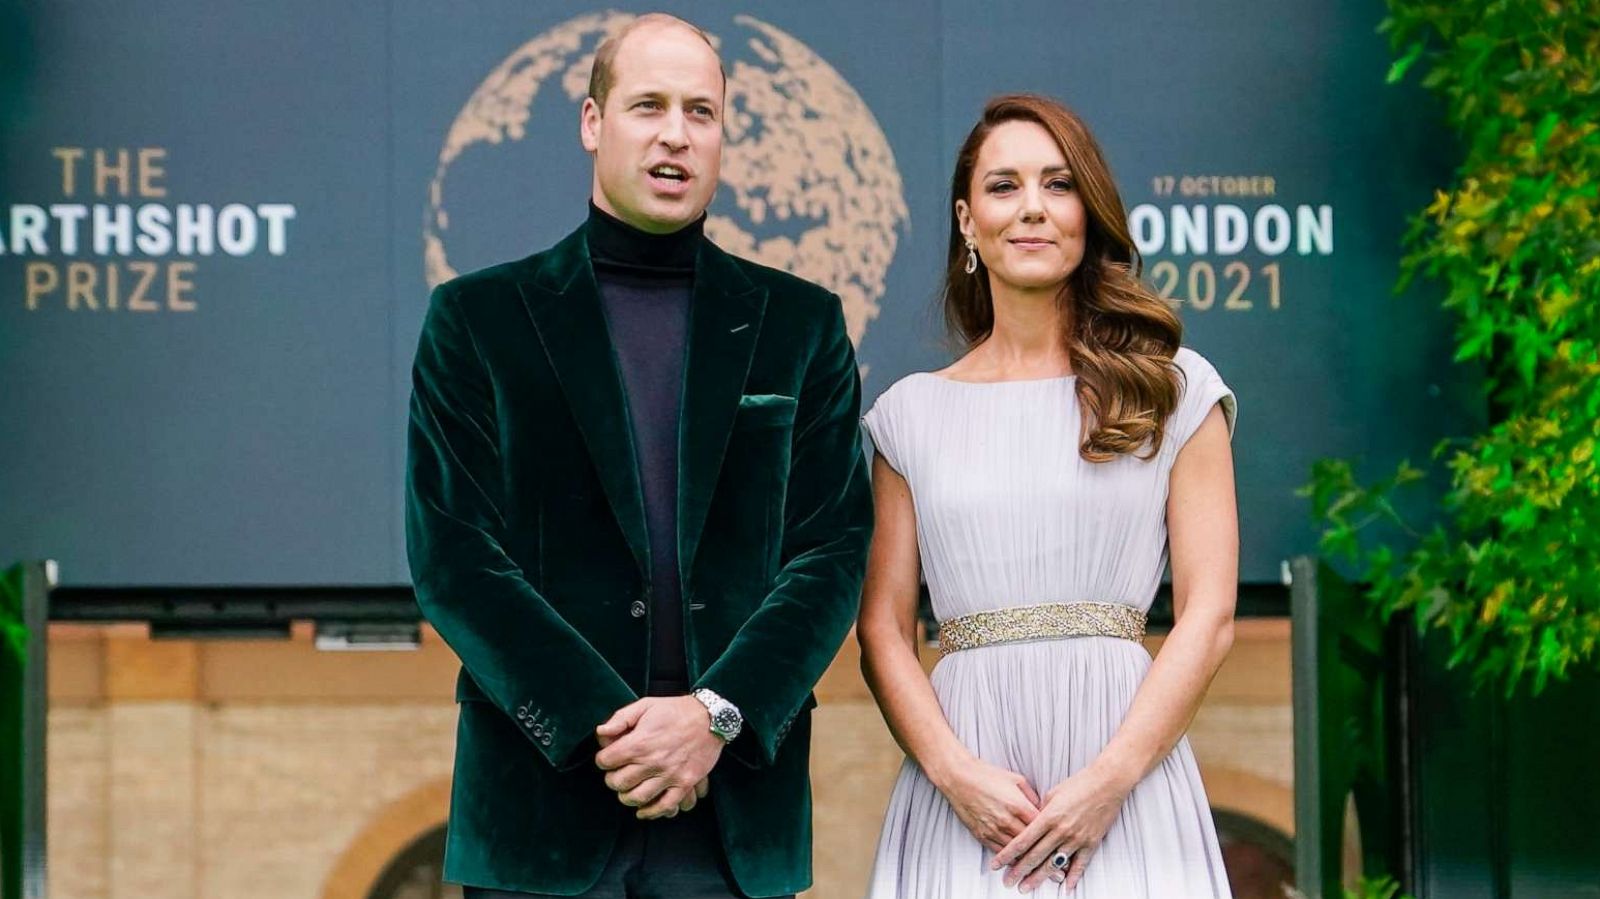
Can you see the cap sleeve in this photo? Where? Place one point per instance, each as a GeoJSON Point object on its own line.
{"type": "Point", "coordinates": [883, 428]}
{"type": "Point", "coordinates": [1201, 388]}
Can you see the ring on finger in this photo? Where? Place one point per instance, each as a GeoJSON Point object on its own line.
{"type": "Point", "coordinates": [1060, 860]}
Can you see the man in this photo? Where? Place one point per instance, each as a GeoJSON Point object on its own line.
{"type": "Point", "coordinates": [635, 472]}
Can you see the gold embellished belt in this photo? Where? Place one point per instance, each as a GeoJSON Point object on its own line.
{"type": "Point", "coordinates": [1042, 622]}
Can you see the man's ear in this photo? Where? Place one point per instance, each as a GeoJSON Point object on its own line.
{"type": "Point", "coordinates": [589, 124]}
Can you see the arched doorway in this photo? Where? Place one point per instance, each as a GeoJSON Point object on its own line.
{"type": "Point", "coordinates": [1259, 858]}
{"type": "Point", "coordinates": [399, 842]}
{"type": "Point", "coordinates": [416, 871]}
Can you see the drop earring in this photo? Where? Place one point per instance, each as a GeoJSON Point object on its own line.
{"type": "Point", "coordinates": [972, 257]}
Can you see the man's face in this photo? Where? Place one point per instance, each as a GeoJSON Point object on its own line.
{"type": "Point", "coordinates": [657, 145]}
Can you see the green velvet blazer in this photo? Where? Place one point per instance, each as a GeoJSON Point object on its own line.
{"type": "Point", "coordinates": [526, 535]}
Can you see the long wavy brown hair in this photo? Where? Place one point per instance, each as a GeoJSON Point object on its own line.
{"type": "Point", "coordinates": [1120, 335]}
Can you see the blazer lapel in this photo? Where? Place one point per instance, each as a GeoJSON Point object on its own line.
{"type": "Point", "coordinates": [724, 321]}
{"type": "Point", "coordinates": [564, 302]}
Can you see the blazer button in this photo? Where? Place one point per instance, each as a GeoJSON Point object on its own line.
{"type": "Point", "coordinates": [637, 609]}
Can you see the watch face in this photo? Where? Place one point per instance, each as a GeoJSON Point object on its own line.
{"type": "Point", "coordinates": [726, 720]}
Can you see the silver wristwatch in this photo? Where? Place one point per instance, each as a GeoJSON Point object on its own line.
{"type": "Point", "coordinates": [726, 722]}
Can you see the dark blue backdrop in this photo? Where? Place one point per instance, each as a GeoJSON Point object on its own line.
{"type": "Point", "coordinates": [259, 437]}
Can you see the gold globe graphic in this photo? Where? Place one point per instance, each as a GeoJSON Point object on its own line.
{"type": "Point", "coordinates": [809, 183]}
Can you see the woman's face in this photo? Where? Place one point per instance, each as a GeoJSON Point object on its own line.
{"type": "Point", "coordinates": [1025, 215]}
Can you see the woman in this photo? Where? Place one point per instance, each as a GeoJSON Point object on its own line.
{"type": "Point", "coordinates": [1036, 483]}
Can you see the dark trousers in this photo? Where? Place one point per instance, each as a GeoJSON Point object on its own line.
{"type": "Point", "coordinates": [671, 858]}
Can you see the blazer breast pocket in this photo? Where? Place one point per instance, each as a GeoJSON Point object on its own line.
{"type": "Point", "coordinates": [765, 410]}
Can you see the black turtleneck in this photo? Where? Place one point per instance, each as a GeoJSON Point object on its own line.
{"type": "Point", "coordinates": [645, 284]}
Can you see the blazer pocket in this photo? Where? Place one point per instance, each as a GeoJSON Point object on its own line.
{"type": "Point", "coordinates": [467, 689]}
{"type": "Point", "coordinates": [765, 410]}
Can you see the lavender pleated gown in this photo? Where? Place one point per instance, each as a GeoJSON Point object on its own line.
{"type": "Point", "coordinates": [1008, 514]}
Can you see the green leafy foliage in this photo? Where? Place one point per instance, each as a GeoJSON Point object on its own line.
{"type": "Point", "coordinates": [1366, 888]}
{"type": "Point", "coordinates": [13, 631]}
{"type": "Point", "coordinates": [1510, 573]}
{"type": "Point", "coordinates": [1376, 888]}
